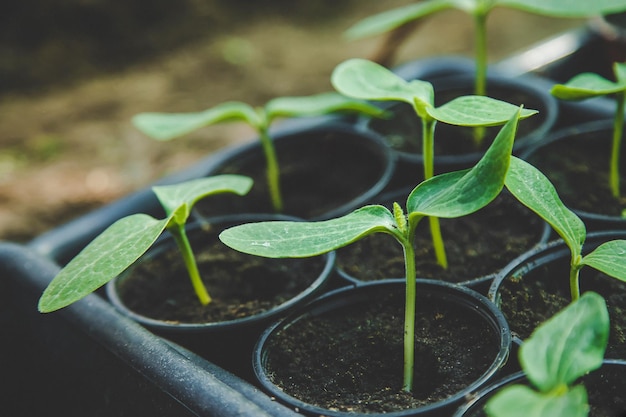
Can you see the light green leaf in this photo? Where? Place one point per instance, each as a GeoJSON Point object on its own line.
{"type": "Point", "coordinates": [476, 111]}
{"type": "Point", "coordinates": [287, 239]}
{"type": "Point", "coordinates": [167, 126]}
{"type": "Point", "coordinates": [609, 258]}
{"type": "Point", "coordinates": [536, 192]}
{"type": "Point", "coordinates": [391, 19]}
{"type": "Point", "coordinates": [366, 80]}
{"type": "Point", "coordinates": [319, 104]}
{"type": "Point", "coordinates": [567, 8]}
{"type": "Point", "coordinates": [586, 85]}
{"type": "Point", "coordinates": [460, 193]}
{"type": "Point", "coordinates": [522, 401]}
{"type": "Point", "coordinates": [567, 346]}
{"type": "Point", "coordinates": [103, 259]}
{"type": "Point", "coordinates": [173, 196]}
{"type": "Point", "coordinates": [619, 69]}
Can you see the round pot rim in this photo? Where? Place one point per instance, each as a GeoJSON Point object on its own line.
{"type": "Point", "coordinates": [576, 130]}
{"type": "Point", "coordinates": [374, 141]}
{"type": "Point", "coordinates": [268, 315]}
{"type": "Point", "coordinates": [450, 81]}
{"type": "Point", "coordinates": [461, 294]}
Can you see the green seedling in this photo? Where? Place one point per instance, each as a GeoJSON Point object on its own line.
{"type": "Point", "coordinates": [588, 85]}
{"type": "Point", "coordinates": [557, 354]}
{"type": "Point", "coordinates": [167, 126]}
{"type": "Point", "coordinates": [447, 195]}
{"type": "Point", "coordinates": [363, 79]}
{"type": "Point", "coordinates": [479, 10]}
{"type": "Point", "coordinates": [126, 240]}
{"type": "Point", "coordinates": [534, 190]}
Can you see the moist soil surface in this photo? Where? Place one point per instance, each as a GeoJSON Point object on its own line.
{"type": "Point", "coordinates": [240, 285]}
{"type": "Point", "coordinates": [530, 297]}
{"type": "Point", "coordinates": [350, 359]}
{"type": "Point", "coordinates": [578, 166]}
{"type": "Point", "coordinates": [476, 245]}
{"type": "Point", "coordinates": [321, 171]}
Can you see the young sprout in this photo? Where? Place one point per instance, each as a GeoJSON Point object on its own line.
{"type": "Point", "coordinates": [561, 350]}
{"type": "Point", "coordinates": [447, 195]}
{"type": "Point", "coordinates": [167, 126]}
{"type": "Point", "coordinates": [122, 243]}
{"type": "Point", "coordinates": [479, 10]}
{"type": "Point", "coordinates": [588, 85]}
{"type": "Point", "coordinates": [363, 79]}
{"type": "Point", "coordinates": [534, 190]}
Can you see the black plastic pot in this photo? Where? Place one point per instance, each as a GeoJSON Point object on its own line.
{"type": "Point", "coordinates": [451, 301]}
{"type": "Point", "coordinates": [505, 228]}
{"type": "Point", "coordinates": [537, 283]}
{"type": "Point", "coordinates": [576, 160]}
{"type": "Point", "coordinates": [226, 343]}
{"type": "Point", "coordinates": [603, 385]}
{"type": "Point", "coordinates": [88, 359]}
{"type": "Point", "coordinates": [326, 171]}
{"type": "Point", "coordinates": [454, 146]}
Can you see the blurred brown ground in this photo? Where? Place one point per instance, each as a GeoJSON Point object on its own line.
{"type": "Point", "coordinates": [68, 93]}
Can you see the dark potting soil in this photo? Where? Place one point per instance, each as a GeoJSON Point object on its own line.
{"type": "Point", "coordinates": [352, 358]}
{"type": "Point", "coordinates": [318, 174]}
{"type": "Point", "coordinates": [476, 245]}
{"type": "Point", "coordinates": [539, 294]}
{"type": "Point", "coordinates": [403, 131]}
{"type": "Point", "coordinates": [240, 285]}
{"type": "Point", "coordinates": [579, 169]}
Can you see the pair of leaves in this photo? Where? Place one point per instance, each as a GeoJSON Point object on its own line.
{"type": "Point", "coordinates": [122, 243]}
{"type": "Point", "coordinates": [364, 79]}
{"type": "Point", "coordinates": [534, 190]}
{"type": "Point", "coordinates": [391, 19]}
{"type": "Point", "coordinates": [448, 195]}
{"type": "Point", "coordinates": [561, 350]}
{"type": "Point", "coordinates": [167, 126]}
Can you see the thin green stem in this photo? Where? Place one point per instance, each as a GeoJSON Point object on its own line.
{"type": "Point", "coordinates": [480, 82]}
{"type": "Point", "coordinates": [428, 139]}
{"type": "Point", "coordinates": [618, 126]}
{"type": "Point", "coordinates": [574, 280]}
{"type": "Point", "coordinates": [272, 170]}
{"type": "Point", "coordinates": [178, 231]}
{"type": "Point", "coordinates": [409, 314]}
{"type": "Point", "coordinates": [480, 53]}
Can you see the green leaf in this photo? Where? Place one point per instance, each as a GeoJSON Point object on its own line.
{"type": "Point", "coordinates": [103, 259]}
{"type": "Point", "coordinates": [586, 85]}
{"type": "Point", "coordinates": [522, 401]}
{"type": "Point", "coordinates": [460, 193]}
{"type": "Point", "coordinates": [366, 80]}
{"type": "Point", "coordinates": [609, 258]}
{"type": "Point", "coordinates": [476, 111]}
{"type": "Point", "coordinates": [319, 104]}
{"type": "Point", "coordinates": [619, 69]}
{"type": "Point", "coordinates": [536, 192]}
{"type": "Point", "coordinates": [391, 19]}
{"type": "Point", "coordinates": [173, 196]}
{"type": "Point", "coordinates": [566, 8]}
{"type": "Point", "coordinates": [567, 346]}
{"type": "Point", "coordinates": [287, 239]}
{"type": "Point", "coordinates": [167, 126]}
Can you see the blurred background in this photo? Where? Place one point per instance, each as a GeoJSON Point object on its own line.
{"type": "Point", "coordinates": [73, 73]}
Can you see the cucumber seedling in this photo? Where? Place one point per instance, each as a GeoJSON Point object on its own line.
{"type": "Point", "coordinates": [167, 126]}
{"type": "Point", "coordinates": [126, 240]}
{"type": "Point", "coordinates": [448, 195]}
